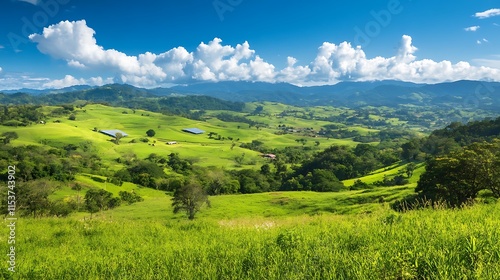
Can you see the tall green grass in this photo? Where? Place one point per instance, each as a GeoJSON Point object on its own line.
{"type": "Point", "coordinates": [425, 244]}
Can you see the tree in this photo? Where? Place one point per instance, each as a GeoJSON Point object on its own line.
{"type": "Point", "coordinates": [265, 169]}
{"type": "Point", "coordinates": [410, 150]}
{"type": "Point", "coordinates": [72, 117]}
{"type": "Point", "coordinates": [130, 197]}
{"type": "Point", "coordinates": [99, 200]}
{"type": "Point", "coordinates": [459, 176]}
{"type": "Point", "coordinates": [8, 136]}
{"type": "Point", "coordinates": [118, 136]}
{"type": "Point", "coordinates": [190, 198]}
{"type": "Point", "coordinates": [410, 167]}
{"type": "Point", "coordinates": [150, 133]}
{"type": "Point", "coordinates": [32, 197]}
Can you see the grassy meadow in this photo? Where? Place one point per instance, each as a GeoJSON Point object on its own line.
{"type": "Point", "coordinates": [145, 241]}
{"type": "Point", "coordinates": [275, 235]}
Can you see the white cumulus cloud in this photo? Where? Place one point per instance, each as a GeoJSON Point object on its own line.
{"type": "Point", "coordinates": [69, 81]}
{"type": "Point", "coordinates": [488, 13]}
{"type": "Point", "coordinates": [74, 42]}
{"type": "Point", "coordinates": [472, 28]}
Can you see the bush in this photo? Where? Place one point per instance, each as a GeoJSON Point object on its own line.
{"type": "Point", "coordinates": [130, 197]}
{"type": "Point", "coordinates": [360, 185]}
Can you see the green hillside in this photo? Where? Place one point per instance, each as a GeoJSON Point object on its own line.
{"type": "Point", "coordinates": [206, 152]}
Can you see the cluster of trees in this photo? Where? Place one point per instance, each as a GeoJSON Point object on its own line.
{"type": "Point", "coordinates": [20, 115]}
{"type": "Point", "coordinates": [461, 161]}
{"type": "Point", "coordinates": [458, 177]}
{"type": "Point", "coordinates": [227, 117]}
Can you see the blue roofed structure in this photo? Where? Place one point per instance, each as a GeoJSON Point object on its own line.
{"type": "Point", "coordinates": [193, 130]}
{"type": "Point", "coordinates": [113, 132]}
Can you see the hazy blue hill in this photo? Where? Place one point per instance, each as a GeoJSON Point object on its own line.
{"type": "Point", "coordinates": [351, 94]}
{"type": "Point", "coordinates": [47, 91]}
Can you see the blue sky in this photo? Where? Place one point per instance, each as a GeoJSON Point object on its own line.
{"type": "Point", "coordinates": [154, 43]}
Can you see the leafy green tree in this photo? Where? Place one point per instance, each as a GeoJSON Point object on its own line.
{"type": "Point", "coordinates": [359, 185]}
{"type": "Point", "coordinates": [177, 164]}
{"type": "Point", "coordinates": [130, 197]}
{"type": "Point", "coordinates": [411, 150]}
{"type": "Point", "coordinates": [324, 181]}
{"type": "Point", "coordinates": [33, 196]}
{"type": "Point", "coordinates": [8, 136]}
{"type": "Point", "coordinates": [190, 198]}
{"type": "Point", "coordinates": [459, 176]}
{"type": "Point", "coordinates": [99, 200]}
{"type": "Point", "coordinates": [265, 169]}
{"type": "Point", "coordinates": [118, 136]}
{"type": "Point", "coordinates": [72, 117]}
{"type": "Point", "coordinates": [410, 167]}
{"type": "Point", "coordinates": [150, 133]}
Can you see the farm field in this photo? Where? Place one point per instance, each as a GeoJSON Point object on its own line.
{"type": "Point", "coordinates": [201, 149]}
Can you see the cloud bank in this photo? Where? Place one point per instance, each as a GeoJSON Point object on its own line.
{"type": "Point", "coordinates": [74, 42]}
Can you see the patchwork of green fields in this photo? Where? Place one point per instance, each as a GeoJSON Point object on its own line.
{"type": "Point", "coordinates": [205, 151]}
{"type": "Point", "coordinates": [276, 235]}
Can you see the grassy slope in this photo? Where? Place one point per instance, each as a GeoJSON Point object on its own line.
{"type": "Point", "coordinates": [428, 244]}
{"type": "Point", "coordinates": [207, 152]}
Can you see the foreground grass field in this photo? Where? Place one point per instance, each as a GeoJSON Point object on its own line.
{"type": "Point", "coordinates": [426, 244]}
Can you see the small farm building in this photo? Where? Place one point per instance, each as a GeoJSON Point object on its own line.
{"type": "Point", "coordinates": [113, 132]}
{"type": "Point", "coordinates": [193, 130]}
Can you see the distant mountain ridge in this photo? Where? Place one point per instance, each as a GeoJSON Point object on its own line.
{"type": "Point", "coordinates": [477, 94]}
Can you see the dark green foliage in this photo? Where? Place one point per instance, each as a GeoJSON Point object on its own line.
{"type": "Point", "coordinates": [177, 164]}
{"type": "Point", "coordinates": [458, 177]}
{"type": "Point", "coordinates": [98, 200]}
{"type": "Point", "coordinates": [189, 198]}
{"type": "Point", "coordinates": [118, 137]}
{"type": "Point", "coordinates": [8, 136]}
{"type": "Point", "coordinates": [319, 180]}
{"type": "Point", "coordinates": [255, 145]}
{"type": "Point", "coordinates": [150, 133]}
{"type": "Point", "coordinates": [20, 115]}
{"type": "Point", "coordinates": [322, 180]}
{"type": "Point", "coordinates": [35, 162]}
{"type": "Point", "coordinates": [226, 117]}
{"type": "Point", "coordinates": [253, 181]}
{"type": "Point", "coordinates": [130, 197]}
{"type": "Point", "coordinates": [465, 134]}
{"type": "Point", "coordinates": [32, 199]}
{"type": "Point", "coordinates": [145, 173]}
{"type": "Point", "coordinates": [411, 149]}
{"type": "Point", "coordinates": [338, 159]}
{"type": "Point", "coordinates": [360, 185]}
{"type": "Point", "coordinates": [217, 181]}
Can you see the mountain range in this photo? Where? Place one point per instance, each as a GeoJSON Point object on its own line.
{"type": "Point", "coordinates": [464, 94]}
